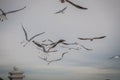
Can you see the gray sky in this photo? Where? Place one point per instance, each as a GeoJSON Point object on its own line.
{"type": "Point", "coordinates": [101, 18]}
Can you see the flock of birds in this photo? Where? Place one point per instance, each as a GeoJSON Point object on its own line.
{"type": "Point", "coordinates": [50, 47]}
{"type": "Point", "coordinates": [3, 16]}
{"type": "Point", "coordinates": [68, 1]}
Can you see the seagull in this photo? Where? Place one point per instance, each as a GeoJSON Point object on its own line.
{"type": "Point", "coordinates": [91, 39]}
{"type": "Point", "coordinates": [44, 49]}
{"type": "Point", "coordinates": [3, 15]}
{"type": "Point", "coordinates": [50, 61]}
{"type": "Point", "coordinates": [77, 6]}
{"type": "Point", "coordinates": [26, 36]}
{"type": "Point", "coordinates": [61, 11]}
{"type": "Point", "coordinates": [57, 59]}
{"type": "Point", "coordinates": [115, 57]}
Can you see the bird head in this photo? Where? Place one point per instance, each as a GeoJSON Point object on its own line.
{"type": "Point", "coordinates": [62, 1]}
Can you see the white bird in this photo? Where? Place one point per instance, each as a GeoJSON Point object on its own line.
{"type": "Point", "coordinates": [75, 5]}
{"type": "Point", "coordinates": [26, 36]}
{"type": "Point", "coordinates": [50, 61]}
{"type": "Point", "coordinates": [3, 15]}
{"type": "Point", "coordinates": [115, 57]}
{"type": "Point", "coordinates": [43, 47]}
{"type": "Point", "coordinates": [91, 39]}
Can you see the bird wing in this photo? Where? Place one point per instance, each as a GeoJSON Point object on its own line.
{"type": "Point", "coordinates": [15, 10]}
{"type": "Point", "coordinates": [36, 36]}
{"type": "Point", "coordinates": [99, 37]}
{"type": "Point", "coordinates": [53, 46]}
{"type": "Point", "coordinates": [84, 38]}
{"type": "Point", "coordinates": [61, 10]}
{"type": "Point", "coordinates": [75, 43]}
{"type": "Point", "coordinates": [117, 56]}
{"type": "Point", "coordinates": [45, 59]}
{"type": "Point", "coordinates": [57, 59]}
{"type": "Point", "coordinates": [64, 8]}
{"type": "Point", "coordinates": [64, 54]}
{"type": "Point", "coordinates": [85, 48]}
{"type": "Point", "coordinates": [50, 40]}
{"type": "Point", "coordinates": [36, 43]}
{"type": "Point", "coordinates": [56, 43]}
{"type": "Point", "coordinates": [1, 10]}
{"type": "Point", "coordinates": [77, 6]}
{"type": "Point", "coordinates": [111, 57]}
{"type": "Point", "coordinates": [26, 37]}
{"type": "Point", "coordinates": [39, 45]}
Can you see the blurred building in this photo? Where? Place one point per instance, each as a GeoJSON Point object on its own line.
{"type": "Point", "coordinates": [16, 74]}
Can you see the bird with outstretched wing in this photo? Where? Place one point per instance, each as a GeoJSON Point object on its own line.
{"type": "Point", "coordinates": [50, 61]}
{"type": "Point", "coordinates": [91, 39]}
{"type": "Point", "coordinates": [43, 47]}
{"type": "Point", "coordinates": [29, 39]}
{"type": "Point", "coordinates": [3, 15]}
{"type": "Point", "coordinates": [115, 57]}
{"type": "Point", "coordinates": [75, 5]}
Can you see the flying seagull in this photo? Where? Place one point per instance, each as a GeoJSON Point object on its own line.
{"type": "Point", "coordinates": [91, 39]}
{"type": "Point", "coordinates": [26, 36]}
{"type": "Point", "coordinates": [3, 15]}
{"type": "Point", "coordinates": [77, 6]}
{"type": "Point", "coordinates": [50, 61]}
{"type": "Point", "coordinates": [43, 48]}
{"type": "Point", "coordinates": [61, 11]}
{"type": "Point", "coordinates": [57, 59]}
{"type": "Point", "coordinates": [115, 57]}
